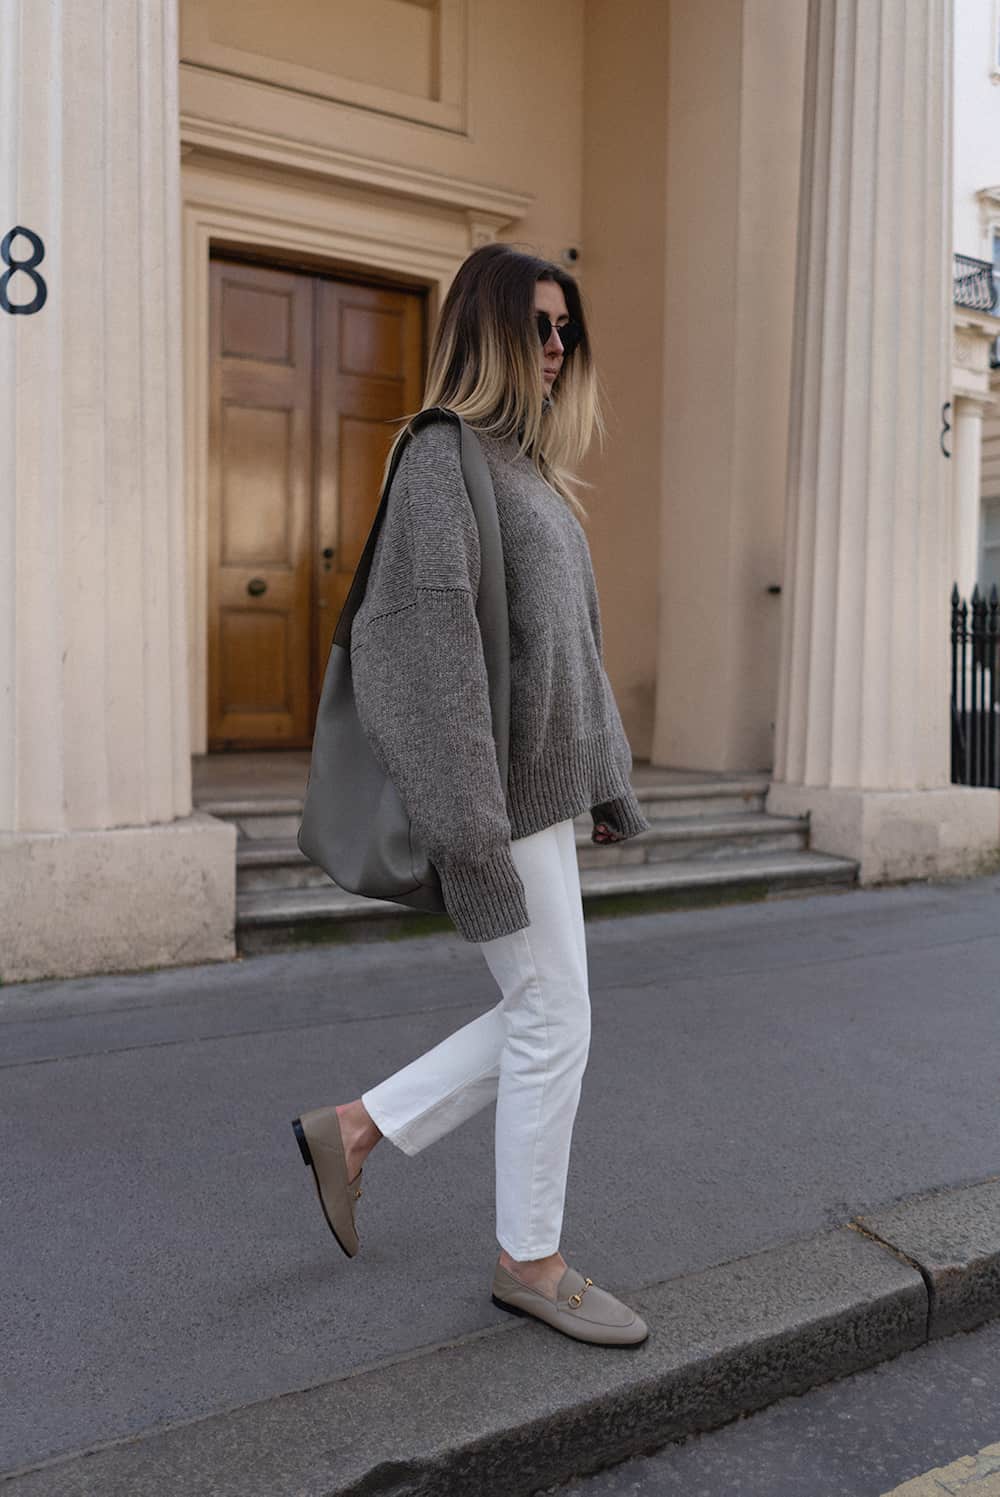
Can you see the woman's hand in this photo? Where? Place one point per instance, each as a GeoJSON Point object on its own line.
{"type": "Point", "coordinates": [604, 828]}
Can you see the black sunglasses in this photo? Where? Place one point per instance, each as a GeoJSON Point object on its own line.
{"type": "Point", "coordinates": [570, 333]}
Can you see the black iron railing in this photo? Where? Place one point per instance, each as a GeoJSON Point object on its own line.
{"type": "Point", "coordinates": [973, 284]}
{"type": "Point", "coordinates": [975, 689]}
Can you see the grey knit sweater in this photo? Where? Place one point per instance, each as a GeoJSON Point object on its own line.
{"type": "Point", "coordinates": [421, 687]}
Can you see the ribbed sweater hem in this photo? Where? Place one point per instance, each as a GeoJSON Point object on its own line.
{"type": "Point", "coordinates": [485, 900]}
{"type": "Point", "coordinates": [570, 778]}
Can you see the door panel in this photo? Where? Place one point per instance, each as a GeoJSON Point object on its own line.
{"type": "Point", "coordinates": [260, 497]}
{"type": "Point", "coordinates": [308, 378]}
{"type": "Point", "coordinates": [370, 373]}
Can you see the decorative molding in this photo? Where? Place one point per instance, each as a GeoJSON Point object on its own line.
{"type": "Point", "coordinates": [483, 228]}
{"type": "Point", "coordinates": [445, 110]}
{"type": "Point", "coordinates": [972, 324]}
{"type": "Point", "coordinates": [972, 337]}
{"type": "Point", "coordinates": [973, 403]}
{"type": "Point", "coordinates": [989, 217]}
{"type": "Point", "coordinates": [499, 206]}
{"type": "Point", "coordinates": [967, 354]}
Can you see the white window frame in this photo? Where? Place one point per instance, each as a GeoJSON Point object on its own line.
{"type": "Point", "coordinates": [995, 62]}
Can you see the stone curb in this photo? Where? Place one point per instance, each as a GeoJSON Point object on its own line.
{"type": "Point", "coordinates": [953, 1238]}
{"type": "Point", "coordinates": [516, 1408]}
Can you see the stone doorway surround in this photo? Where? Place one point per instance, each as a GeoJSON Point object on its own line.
{"type": "Point", "coordinates": [320, 208]}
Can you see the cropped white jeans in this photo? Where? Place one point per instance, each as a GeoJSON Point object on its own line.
{"type": "Point", "coordinates": [528, 1054]}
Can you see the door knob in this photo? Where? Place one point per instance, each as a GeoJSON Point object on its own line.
{"type": "Point", "coordinates": [328, 553]}
{"type": "Point", "coordinates": [256, 586]}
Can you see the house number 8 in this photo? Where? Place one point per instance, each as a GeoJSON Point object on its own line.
{"type": "Point", "coordinates": [27, 267]}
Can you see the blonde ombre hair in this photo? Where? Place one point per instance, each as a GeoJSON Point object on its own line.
{"type": "Point", "coordinates": [484, 364]}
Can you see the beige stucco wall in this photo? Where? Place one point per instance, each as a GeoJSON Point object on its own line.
{"type": "Point", "coordinates": [521, 83]}
{"type": "Point", "coordinates": [733, 144]}
{"type": "Point", "coordinates": [661, 140]}
{"type": "Point", "coordinates": [622, 266]}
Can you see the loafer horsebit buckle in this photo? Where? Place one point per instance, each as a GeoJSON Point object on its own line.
{"type": "Point", "coordinates": [576, 1299]}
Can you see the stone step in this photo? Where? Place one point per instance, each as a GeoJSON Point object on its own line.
{"type": "Point", "coordinates": [266, 917]}
{"type": "Point", "coordinates": [276, 862]}
{"type": "Point", "coordinates": [273, 817]}
{"type": "Point", "coordinates": [703, 797]}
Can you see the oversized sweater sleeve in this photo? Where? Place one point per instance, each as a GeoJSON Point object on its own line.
{"type": "Point", "coordinates": [422, 690]}
{"type": "Point", "coordinates": [622, 813]}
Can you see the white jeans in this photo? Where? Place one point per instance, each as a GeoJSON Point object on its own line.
{"type": "Point", "coordinates": [528, 1053]}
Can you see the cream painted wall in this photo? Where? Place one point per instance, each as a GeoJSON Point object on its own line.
{"type": "Point", "coordinates": [674, 170]}
{"type": "Point", "coordinates": [733, 142]}
{"type": "Point", "coordinates": [523, 87]}
{"type": "Point", "coordinates": [621, 268]}
{"type": "Point", "coordinates": [768, 198]}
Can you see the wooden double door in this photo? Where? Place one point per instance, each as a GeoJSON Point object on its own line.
{"type": "Point", "coordinates": [307, 375]}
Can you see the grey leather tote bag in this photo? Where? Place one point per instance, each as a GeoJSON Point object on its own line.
{"type": "Point", "coordinates": [354, 825]}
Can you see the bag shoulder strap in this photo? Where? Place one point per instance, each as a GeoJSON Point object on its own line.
{"type": "Point", "coordinates": [355, 596]}
{"type": "Point", "coordinates": [491, 600]}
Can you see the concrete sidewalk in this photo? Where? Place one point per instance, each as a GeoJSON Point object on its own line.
{"type": "Point", "coordinates": [760, 1075]}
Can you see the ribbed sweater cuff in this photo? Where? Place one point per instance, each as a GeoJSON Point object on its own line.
{"type": "Point", "coordinates": [624, 814]}
{"type": "Point", "coordinates": [485, 900]}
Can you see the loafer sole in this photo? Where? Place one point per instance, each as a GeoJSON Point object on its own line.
{"type": "Point", "coordinates": [306, 1152]}
{"type": "Point", "coordinates": [556, 1325]}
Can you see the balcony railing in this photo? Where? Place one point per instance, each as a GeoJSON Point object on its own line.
{"type": "Point", "coordinates": [973, 283]}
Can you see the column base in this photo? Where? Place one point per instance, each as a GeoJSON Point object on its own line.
{"type": "Point", "coordinates": [899, 834]}
{"type": "Point", "coordinates": [117, 900]}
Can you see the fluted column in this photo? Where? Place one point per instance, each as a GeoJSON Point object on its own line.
{"type": "Point", "coordinates": [95, 643]}
{"type": "Point", "coordinates": [94, 730]}
{"type": "Point", "coordinates": [975, 333]}
{"type": "Point", "coordinates": [968, 456]}
{"type": "Point", "coordinates": [862, 730]}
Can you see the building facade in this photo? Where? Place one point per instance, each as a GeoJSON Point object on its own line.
{"type": "Point", "coordinates": [977, 236]}
{"type": "Point", "coordinates": [241, 221]}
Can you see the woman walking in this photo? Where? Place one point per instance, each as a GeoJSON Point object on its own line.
{"type": "Point", "coordinates": [512, 356]}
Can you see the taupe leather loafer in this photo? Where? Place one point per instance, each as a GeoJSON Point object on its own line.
{"type": "Point", "coordinates": [319, 1139]}
{"type": "Point", "coordinates": [580, 1309]}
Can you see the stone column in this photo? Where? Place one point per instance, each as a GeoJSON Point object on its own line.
{"type": "Point", "coordinates": [862, 733]}
{"type": "Point", "coordinates": [968, 457]}
{"type": "Point", "coordinates": [102, 864]}
{"type": "Point", "coordinates": [973, 336]}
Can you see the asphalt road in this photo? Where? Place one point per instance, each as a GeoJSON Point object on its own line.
{"type": "Point", "coordinates": [758, 1072]}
